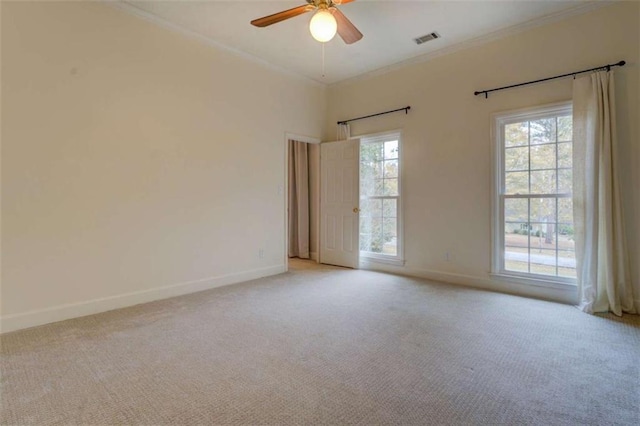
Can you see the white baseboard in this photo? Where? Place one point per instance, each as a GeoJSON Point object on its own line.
{"type": "Point", "coordinates": [563, 295]}
{"type": "Point", "coordinates": [73, 310]}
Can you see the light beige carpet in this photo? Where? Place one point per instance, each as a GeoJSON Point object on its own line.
{"type": "Point", "coordinates": [328, 346]}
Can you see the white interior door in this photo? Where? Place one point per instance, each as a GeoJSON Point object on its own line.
{"type": "Point", "coordinates": [339, 203]}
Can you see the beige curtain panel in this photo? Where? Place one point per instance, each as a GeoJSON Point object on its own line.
{"type": "Point", "coordinates": [298, 199]}
{"type": "Point", "coordinates": [604, 282]}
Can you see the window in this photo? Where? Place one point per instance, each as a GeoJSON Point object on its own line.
{"type": "Point", "coordinates": [380, 223]}
{"type": "Point", "coordinates": [533, 215]}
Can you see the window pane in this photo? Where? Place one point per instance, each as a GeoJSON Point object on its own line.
{"type": "Point", "coordinates": [543, 131]}
{"type": "Point", "coordinates": [378, 185]}
{"type": "Point", "coordinates": [543, 182]}
{"type": "Point", "coordinates": [391, 149]}
{"type": "Point", "coordinates": [515, 261]}
{"type": "Point", "coordinates": [371, 152]}
{"type": "Point", "coordinates": [543, 157]}
{"type": "Point", "coordinates": [543, 236]}
{"type": "Point", "coordinates": [366, 228]}
{"type": "Point", "coordinates": [516, 182]}
{"type": "Point", "coordinates": [516, 158]}
{"type": "Point", "coordinates": [516, 210]}
{"type": "Point", "coordinates": [543, 210]}
{"type": "Point", "coordinates": [566, 262]}
{"type": "Point", "coordinates": [543, 262]}
{"type": "Point", "coordinates": [376, 236]}
{"type": "Point", "coordinates": [565, 231]}
{"type": "Point", "coordinates": [516, 134]}
{"type": "Point", "coordinates": [391, 169]}
{"type": "Point", "coordinates": [516, 250]}
{"type": "Point", "coordinates": [565, 210]}
{"type": "Point", "coordinates": [565, 128]}
{"type": "Point", "coordinates": [371, 207]}
{"type": "Point", "coordinates": [365, 224]}
{"type": "Point", "coordinates": [567, 272]}
{"type": "Point", "coordinates": [389, 234]}
{"type": "Point", "coordinates": [365, 241]}
{"type": "Point", "coordinates": [564, 154]}
{"type": "Point", "coordinates": [516, 238]}
{"type": "Point", "coordinates": [565, 181]}
{"type": "Point", "coordinates": [369, 173]}
{"type": "Point", "coordinates": [390, 187]}
{"type": "Point", "coordinates": [390, 208]}
{"type": "Point", "coordinates": [516, 228]}
{"type": "Point", "coordinates": [372, 170]}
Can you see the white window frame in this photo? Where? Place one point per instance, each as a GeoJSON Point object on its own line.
{"type": "Point", "coordinates": [398, 259]}
{"type": "Point", "coordinates": [499, 120]}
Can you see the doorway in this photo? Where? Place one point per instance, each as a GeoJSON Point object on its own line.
{"type": "Point", "coordinates": [302, 197]}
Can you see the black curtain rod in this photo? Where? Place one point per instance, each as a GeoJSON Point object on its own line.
{"type": "Point", "coordinates": [607, 67]}
{"type": "Point", "coordinates": [405, 109]}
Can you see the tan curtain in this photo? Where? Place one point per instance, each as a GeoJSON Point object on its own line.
{"type": "Point", "coordinates": [298, 200]}
{"type": "Point", "coordinates": [604, 282]}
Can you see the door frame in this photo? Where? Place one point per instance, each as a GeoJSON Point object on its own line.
{"type": "Point", "coordinates": [285, 190]}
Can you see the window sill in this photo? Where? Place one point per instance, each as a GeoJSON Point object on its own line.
{"type": "Point", "coordinates": [567, 284]}
{"type": "Point", "coordinates": [387, 260]}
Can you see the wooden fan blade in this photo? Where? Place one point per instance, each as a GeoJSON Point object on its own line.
{"type": "Point", "coordinates": [339, 2]}
{"type": "Point", "coordinates": [265, 21]}
{"type": "Point", "coordinates": [346, 29]}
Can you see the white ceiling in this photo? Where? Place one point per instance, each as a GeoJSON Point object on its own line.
{"type": "Point", "coordinates": [389, 28]}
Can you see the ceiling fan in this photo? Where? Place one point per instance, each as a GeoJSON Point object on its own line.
{"type": "Point", "coordinates": [325, 22]}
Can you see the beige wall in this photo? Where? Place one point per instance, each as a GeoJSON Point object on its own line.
{"type": "Point", "coordinates": [447, 145]}
{"type": "Point", "coordinates": [137, 162]}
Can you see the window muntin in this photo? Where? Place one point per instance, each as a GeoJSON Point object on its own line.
{"type": "Point", "coordinates": [380, 196]}
{"type": "Point", "coordinates": [535, 225]}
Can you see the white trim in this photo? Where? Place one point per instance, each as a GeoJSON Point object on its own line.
{"type": "Point", "coordinates": [373, 258]}
{"type": "Point", "coordinates": [580, 9]}
{"type": "Point", "coordinates": [563, 294]}
{"type": "Point", "coordinates": [532, 113]}
{"type": "Point", "coordinates": [313, 255]}
{"type": "Point", "coordinates": [301, 138]}
{"type": "Point", "coordinates": [147, 16]}
{"type": "Point", "coordinates": [534, 280]}
{"type": "Point", "coordinates": [103, 304]}
{"type": "Point", "coordinates": [379, 135]}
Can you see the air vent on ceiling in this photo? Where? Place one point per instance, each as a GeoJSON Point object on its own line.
{"type": "Point", "coordinates": [425, 38]}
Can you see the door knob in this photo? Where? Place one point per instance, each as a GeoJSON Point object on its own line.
{"type": "Point", "coordinates": [356, 210]}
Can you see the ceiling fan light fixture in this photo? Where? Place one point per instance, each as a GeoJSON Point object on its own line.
{"type": "Point", "coordinates": [323, 25]}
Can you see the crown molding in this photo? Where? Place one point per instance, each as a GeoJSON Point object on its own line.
{"type": "Point", "coordinates": [149, 17]}
{"type": "Point", "coordinates": [481, 40]}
